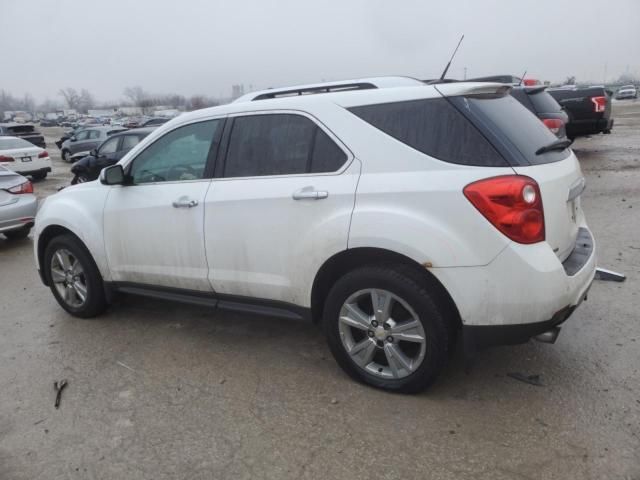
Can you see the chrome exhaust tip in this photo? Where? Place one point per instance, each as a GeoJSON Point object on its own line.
{"type": "Point", "coordinates": [550, 336]}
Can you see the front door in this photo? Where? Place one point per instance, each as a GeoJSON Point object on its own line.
{"type": "Point", "coordinates": [154, 230]}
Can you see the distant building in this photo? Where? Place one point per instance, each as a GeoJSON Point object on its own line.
{"type": "Point", "coordinates": [130, 110]}
{"type": "Point", "coordinates": [104, 112]}
{"type": "Point", "coordinates": [237, 90]}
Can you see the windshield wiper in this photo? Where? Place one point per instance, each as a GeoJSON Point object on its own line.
{"type": "Point", "coordinates": [560, 144]}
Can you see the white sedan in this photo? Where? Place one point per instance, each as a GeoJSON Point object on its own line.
{"type": "Point", "coordinates": [24, 158]}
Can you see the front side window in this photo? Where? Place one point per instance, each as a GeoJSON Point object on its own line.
{"type": "Point", "coordinates": [83, 135]}
{"type": "Point", "coordinates": [94, 134]}
{"type": "Point", "coordinates": [110, 146]}
{"type": "Point", "coordinates": [179, 155]}
{"type": "Point", "coordinates": [130, 141]}
{"type": "Point", "coordinates": [280, 144]}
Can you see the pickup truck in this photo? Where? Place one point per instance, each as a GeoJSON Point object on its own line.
{"type": "Point", "coordinates": [589, 109]}
{"type": "Point", "coordinates": [26, 132]}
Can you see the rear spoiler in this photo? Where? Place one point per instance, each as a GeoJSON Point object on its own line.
{"type": "Point", "coordinates": [473, 89]}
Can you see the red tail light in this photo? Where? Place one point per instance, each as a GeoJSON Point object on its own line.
{"type": "Point", "coordinates": [531, 82]}
{"type": "Point", "coordinates": [5, 158]}
{"type": "Point", "coordinates": [26, 187]}
{"type": "Point", "coordinates": [512, 203]}
{"type": "Point", "coordinates": [553, 124]}
{"type": "Point", "coordinates": [599, 103]}
{"type": "Point", "coordinates": [43, 154]}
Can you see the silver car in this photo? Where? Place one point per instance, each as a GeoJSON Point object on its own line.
{"type": "Point", "coordinates": [81, 143]}
{"type": "Point", "coordinates": [18, 205]}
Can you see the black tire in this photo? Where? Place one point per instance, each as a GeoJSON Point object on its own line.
{"type": "Point", "coordinates": [66, 156]}
{"type": "Point", "coordinates": [403, 282]}
{"type": "Point", "coordinates": [95, 302]}
{"type": "Point", "coordinates": [39, 175]}
{"type": "Point", "coordinates": [18, 234]}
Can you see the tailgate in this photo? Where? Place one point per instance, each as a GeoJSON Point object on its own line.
{"type": "Point", "coordinates": [561, 184]}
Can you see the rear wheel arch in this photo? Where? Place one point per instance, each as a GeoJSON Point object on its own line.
{"type": "Point", "coordinates": [348, 260]}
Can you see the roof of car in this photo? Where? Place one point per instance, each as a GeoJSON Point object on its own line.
{"type": "Point", "coordinates": [346, 99]}
{"type": "Point", "coordinates": [138, 131]}
{"type": "Point", "coordinates": [15, 124]}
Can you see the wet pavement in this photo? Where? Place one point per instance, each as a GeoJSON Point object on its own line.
{"type": "Point", "coordinates": [166, 391]}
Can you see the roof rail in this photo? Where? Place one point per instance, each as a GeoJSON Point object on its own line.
{"type": "Point", "coordinates": [342, 87]}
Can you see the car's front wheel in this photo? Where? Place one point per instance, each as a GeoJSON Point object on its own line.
{"type": "Point", "coordinates": [66, 155]}
{"type": "Point", "coordinates": [385, 328]}
{"type": "Point", "coordinates": [73, 277]}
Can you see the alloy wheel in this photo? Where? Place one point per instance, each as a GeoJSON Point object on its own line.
{"type": "Point", "coordinates": [69, 278]}
{"type": "Point", "coordinates": [382, 334]}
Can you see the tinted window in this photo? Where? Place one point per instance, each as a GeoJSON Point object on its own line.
{"type": "Point", "coordinates": [434, 127]}
{"type": "Point", "coordinates": [179, 155]}
{"type": "Point", "coordinates": [544, 103]}
{"type": "Point", "coordinates": [110, 146]}
{"type": "Point", "coordinates": [129, 141]}
{"type": "Point", "coordinates": [516, 124]}
{"type": "Point", "coordinates": [279, 144]}
{"type": "Point", "coordinates": [520, 95]}
{"type": "Point", "coordinates": [327, 156]}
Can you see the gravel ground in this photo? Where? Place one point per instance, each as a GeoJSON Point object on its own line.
{"type": "Point", "coordinates": [165, 391]}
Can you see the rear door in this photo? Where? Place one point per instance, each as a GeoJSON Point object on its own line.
{"type": "Point", "coordinates": [280, 205]}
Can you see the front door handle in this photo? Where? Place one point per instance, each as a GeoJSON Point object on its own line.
{"type": "Point", "coordinates": [184, 202]}
{"type": "Point", "coordinates": [310, 194]}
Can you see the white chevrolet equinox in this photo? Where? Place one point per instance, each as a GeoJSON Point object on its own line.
{"type": "Point", "coordinates": [398, 215]}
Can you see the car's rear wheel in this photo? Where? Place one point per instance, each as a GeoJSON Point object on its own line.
{"type": "Point", "coordinates": [385, 328]}
{"type": "Point", "coordinates": [73, 277]}
{"type": "Point", "coordinates": [39, 175]}
{"type": "Point", "coordinates": [18, 234]}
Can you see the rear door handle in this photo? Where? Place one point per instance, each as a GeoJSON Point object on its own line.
{"type": "Point", "coordinates": [309, 194]}
{"type": "Point", "coordinates": [184, 202]}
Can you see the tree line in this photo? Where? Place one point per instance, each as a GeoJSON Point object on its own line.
{"type": "Point", "coordinates": [83, 100]}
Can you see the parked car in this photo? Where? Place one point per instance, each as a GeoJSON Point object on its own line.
{"type": "Point", "coordinates": [23, 157]}
{"type": "Point", "coordinates": [627, 91]}
{"type": "Point", "coordinates": [26, 132]}
{"type": "Point", "coordinates": [151, 122]}
{"type": "Point", "coordinates": [109, 153]}
{"type": "Point", "coordinates": [48, 122]}
{"type": "Point", "coordinates": [81, 142]}
{"type": "Point", "coordinates": [397, 214]}
{"type": "Point", "coordinates": [544, 106]}
{"type": "Point", "coordinates": [18, 205]}
{"type": "Point", "coordinates": [589, 109]}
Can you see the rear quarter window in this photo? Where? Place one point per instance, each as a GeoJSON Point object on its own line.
{"type": "Point", "coordinates": [545, 103]}
{"type": "Point", "coordinates": [434, 127]}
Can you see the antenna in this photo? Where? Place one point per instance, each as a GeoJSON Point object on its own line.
{"type": "Point", "coordinates": [522, 78]}
{"type": "Point", "coordinates": [446, 69]}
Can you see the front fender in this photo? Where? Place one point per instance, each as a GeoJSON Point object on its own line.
{"type": "Point", "coordinates": [78, 209]}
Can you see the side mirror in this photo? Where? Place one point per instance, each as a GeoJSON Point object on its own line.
{"type": "Point", "coordinates": [113, 175]}
{"type": "Point", "coordinates": [94, 153]}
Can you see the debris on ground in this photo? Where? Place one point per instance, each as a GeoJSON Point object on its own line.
{"type": "Point", "coordinates": [59, 386]}
{"type": "Point", "coordinates": [125, 366]}
{"type": "Point", "coordinates": [530, 379]}
{"type": "Point", "coordinates": [334, 401]}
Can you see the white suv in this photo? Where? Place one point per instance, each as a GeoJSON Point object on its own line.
{"type": "Point", "coordinates": [397, 214]}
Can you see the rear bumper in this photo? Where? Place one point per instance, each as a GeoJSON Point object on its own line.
{"type": "Point", "coordinates": [19, 214]}
{"type": "Point", "coordinates": [592, 126]}
{"type": "Point", "coordinates": [525, 291]}
{"type": "Point", "coordinates": [34, 171]}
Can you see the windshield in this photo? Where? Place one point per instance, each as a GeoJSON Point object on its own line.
{"type": "Point", "coordinates": [11, 143]}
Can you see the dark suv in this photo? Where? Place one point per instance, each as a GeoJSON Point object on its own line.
{"type": "Point", "coordinates": [108, 153]}
{"type": "Point", "coordinates": [544, 106]}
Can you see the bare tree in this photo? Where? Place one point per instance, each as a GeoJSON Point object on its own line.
{"type": "Point", "coordinates": [85, 101]}
{"type": "Point", "coordinates": [570, 80]}
{"type": "Point", "coordinates": [71, 97]}
{"type": "Point", "coordinates": [197, 102]}
{"type": "Point", "coordinates": [137, 95]}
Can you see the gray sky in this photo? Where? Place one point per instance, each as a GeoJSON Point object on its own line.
{"type": "Point", "coordinates": [203, 47]}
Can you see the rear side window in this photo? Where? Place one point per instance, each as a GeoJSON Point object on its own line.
{"type": "Point", "coordinates": [129, 141]}
{"type": "Point", "coordinates": [434, 127]}
{"type": "Point", "coordinates": [545, 103]}
{"type": "Point", "coordinates": [514, 125]}
{"type": "Point", "coordinates": [280, 144]}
